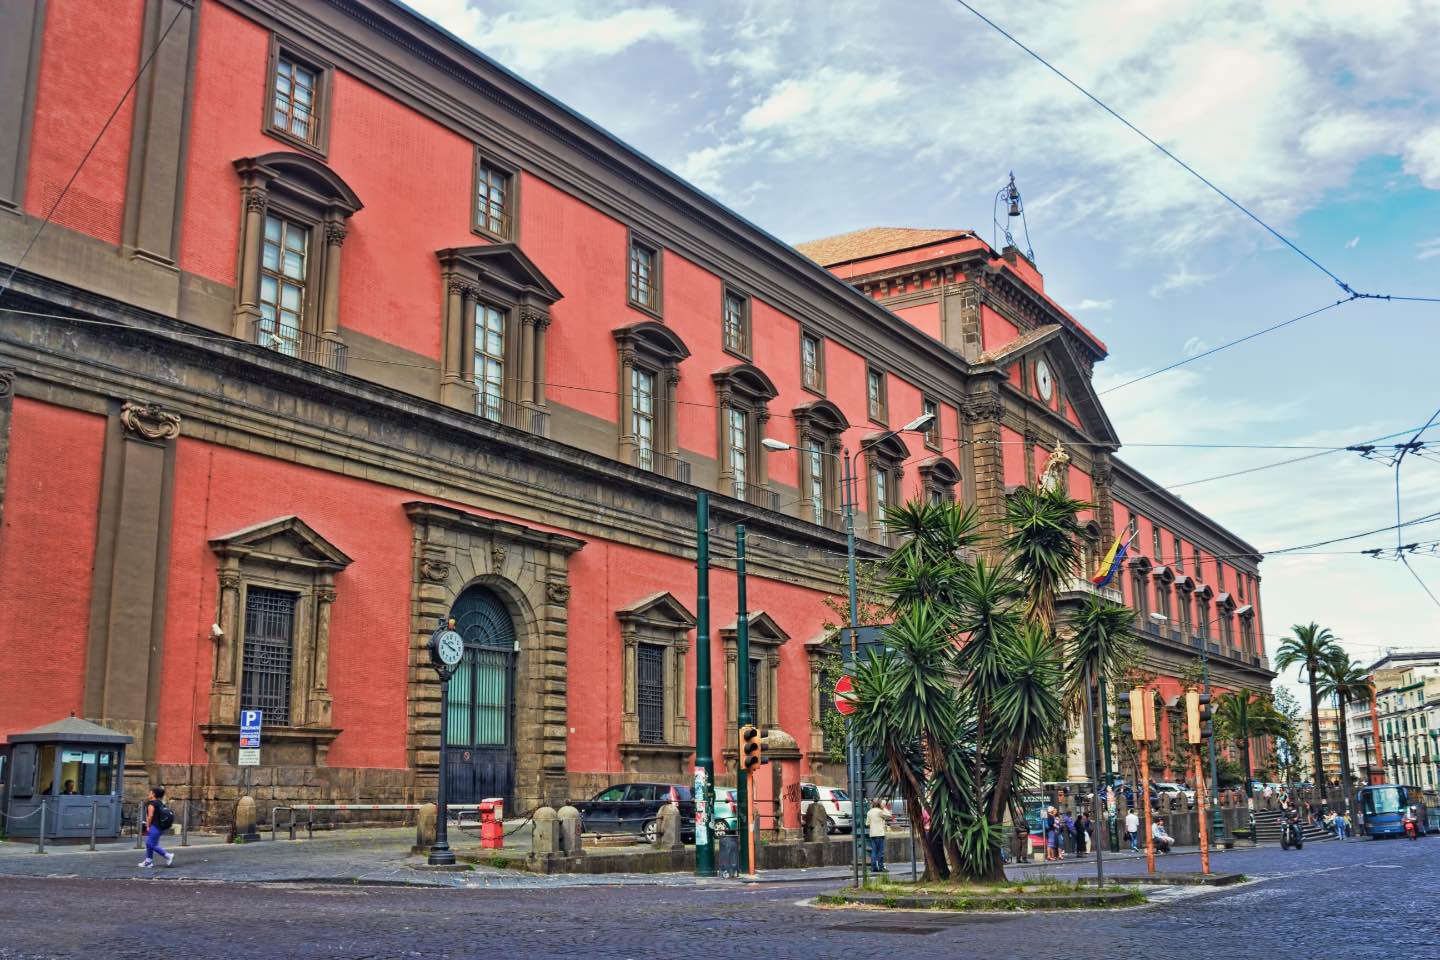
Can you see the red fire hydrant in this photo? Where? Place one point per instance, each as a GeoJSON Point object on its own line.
{"type": "Point", "coordinates": [492, 824]}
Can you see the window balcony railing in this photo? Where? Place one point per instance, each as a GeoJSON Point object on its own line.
{"type": "Point", "coordinates": [661, 463]}
{"type": "Point", "coordinates": [514, 415]}
{"type": "Point", "coordinates": [1083, 585]}
{"type": "Point", "coordinates": [294, 342]}
{"type": "Point", "coordinates": [760, 497]}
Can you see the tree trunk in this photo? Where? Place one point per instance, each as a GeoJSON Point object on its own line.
{"type": "Point", "coordinates": [1344, 761]}
{"type": "Point", "coordinates": [1319, 772]}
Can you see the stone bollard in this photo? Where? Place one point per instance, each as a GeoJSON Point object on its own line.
{"type": "Point", "coordinates": [817, 823]}
{"type": "Point", "coordinates": [570, 842]}
{"type": "Point", "coordinates": [245, 820]}
{"type": "Point", "coordinates": [545, 833]}
{"type": "Point", "coordinates": [425, 828]}
{"type": "Point", "coordinates": [667, 828]}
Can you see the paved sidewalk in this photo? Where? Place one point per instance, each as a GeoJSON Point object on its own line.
{"type": "Point", "coordinates": [370, 856]}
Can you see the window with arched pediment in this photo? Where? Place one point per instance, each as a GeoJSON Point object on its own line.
{"type": "Point", "coordinates": [294, 219]}
{"type": "Point", "coordinates": [819, 427]}
{"type": "Point", "coordinates": [742, 397]}
{"type": "Point", "coordinates": [650, 355]}
{"type": "Point", "coordinates": [885, 456]}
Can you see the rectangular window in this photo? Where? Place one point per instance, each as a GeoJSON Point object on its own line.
{"type": "Point", "coordinates": [650, 692]}
{"type": "Point", "coordinates": [1162, 600]}
{"type": "Point", "coordinates": [494, 199]}
{"type": "Point", "coordinates": [268, 653]}
{"type": "Point", "coordinates": [880, 480]}
{"type": "Point", "coordinates": [284, 267]}
{"type": "Point", "coordinates": [644, 276]}
{"type": "Point", "coordinates": [816, 461]}
{"type": "Point", "coordinates": [738, 444]}
{"type": "Point", "coordinates": [489, 361]}
{"type": "Point", "coordinates": [736, 323]}
{"type": "Point", "coordinates": [1155, 537]}
{"type": "Point", "coordinates": [932, 432]}
{"type": "Point", "coordinates": [754, 692]}
{"type": "Point", "coordinates": [812, 370]}
{"type": "Point", "coordinates": [642, 416]}
{"type": "Point", "coordinates": [1179, 557]}
{"type": "Point", "coordinates": [875, 394]}
{"type": "Point", "coordinates": [297, 90]}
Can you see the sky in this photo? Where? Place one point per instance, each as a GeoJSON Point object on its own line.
{"type": "Point", "coordinates": [814, 118]}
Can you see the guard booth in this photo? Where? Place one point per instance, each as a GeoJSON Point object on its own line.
{"type": "Point", "coordinates": [73, 769]}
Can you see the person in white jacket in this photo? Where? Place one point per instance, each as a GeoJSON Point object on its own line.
{"type": "Point", "coordinates": [877, 819]}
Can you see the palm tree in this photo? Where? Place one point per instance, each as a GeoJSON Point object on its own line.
{"type": "Point", "coordinates": [1310, 647]}
{"type": "Point", "coordinates": [1241, 716]}
{"type": "Point", "coordinates": [1042, 542]}
{"type": "Point", "coordinates": [1347, 683]}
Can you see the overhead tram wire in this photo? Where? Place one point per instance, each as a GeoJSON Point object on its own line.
{"type": "Point", "coordinates": [49, 214]}
{"type": "Point", "coordinates": [1399, 461]}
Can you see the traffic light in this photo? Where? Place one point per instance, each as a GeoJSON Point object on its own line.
{"type": "Point", "coordinates": [1125, 718]}
{"type": "Point", "coordinates": [1141, 714]}
{"type": "Point", "coordinates": [1197, 712]}
{"type": "Point", "coordinates": [751, 749]}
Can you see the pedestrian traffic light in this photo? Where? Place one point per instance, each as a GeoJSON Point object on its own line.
{"type": "Point", "coordinates": [750, 748]}
{"type": "Point", "coordinates": [1197, 712]}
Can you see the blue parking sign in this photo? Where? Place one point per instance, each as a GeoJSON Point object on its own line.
{"type": "Point", "coordinates": [250, 729]}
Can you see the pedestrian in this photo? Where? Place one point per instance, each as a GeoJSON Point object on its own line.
{"type": "Point", "coordinates": [1051, 826]}
{"type": "Point", "coordinates": [1342, 826]}
{"type": "Point", "coordinates": [1163, 840]}
{"type": "Point", "coordinates": [1082, 833]}
{"type": "Point", "coordinates": [1132, 829]}
{"type": "Point", "coordinates": [877, 819]}
{"type": "Point", "coordinates": [158, 819]}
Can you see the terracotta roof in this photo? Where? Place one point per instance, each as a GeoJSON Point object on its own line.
{"type": "Point", "coordinates": [1017, 345]}
{"type": "Point", "coordinates": [871, 242]}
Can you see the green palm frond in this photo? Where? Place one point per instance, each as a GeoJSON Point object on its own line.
{"type": "Point", "coordinates": [1042, 543]}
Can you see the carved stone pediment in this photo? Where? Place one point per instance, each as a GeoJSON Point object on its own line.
{"type": "Point", "coordinates": [288, 541]}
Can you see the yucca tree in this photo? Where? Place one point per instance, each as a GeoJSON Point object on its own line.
{"type": "Point", "coordinates": [1243, 715]}
{"type": "Point", "coordinates": [1042, 546]}
{"type": "Point", "coordinates": [1310, 647]}
{"type": "Point", "coordinates": [1342, 679]}
{"type": "Point", "coordinates": [1026, 709]}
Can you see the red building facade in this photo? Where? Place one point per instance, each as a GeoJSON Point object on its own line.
{"type": "Point", "coordinates": [342, 329]}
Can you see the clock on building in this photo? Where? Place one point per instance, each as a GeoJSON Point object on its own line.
{"type": "Point", "coordinates": [1043, 380]}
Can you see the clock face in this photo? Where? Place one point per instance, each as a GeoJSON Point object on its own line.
{"type": "Point", "coordinates": [450, 648]}
{"type": "Point", "coordinates": [1043, 379]}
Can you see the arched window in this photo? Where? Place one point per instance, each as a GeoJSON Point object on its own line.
{"type": "Point", "coordinates": [287, 295]}
{"type": "Point", "coordinates": [885, 454]}
{"type": "Point", "coordinates": [938, 477]}
{"type": "Point", "coordinates": [742, 397]}
{"type": "Point", "coordinates": [819, 425]}
{"type": "Point", "coordinates": [650, 354]}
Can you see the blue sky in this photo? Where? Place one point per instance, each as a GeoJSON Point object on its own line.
{"type": "Point", "coordinates": [812, 118]}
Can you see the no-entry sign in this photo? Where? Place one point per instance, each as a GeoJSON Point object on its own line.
{"type": "Point", "coordinates": [845, 695]}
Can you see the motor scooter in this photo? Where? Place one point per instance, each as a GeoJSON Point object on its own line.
{"type": "Point", "coordinates": [1412, 829]}
{"type": "Point", "coordinates": [1290, 833]}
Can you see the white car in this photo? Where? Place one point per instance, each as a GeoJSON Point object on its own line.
{"type": "Point", "coordinates": [1168, 791]}
{"type": "Point", "coordinates": [834, 801]}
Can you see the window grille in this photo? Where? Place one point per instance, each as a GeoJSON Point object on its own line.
{"type": "Point", "coordinates": [650, 692]}
{"type": "Point", "coordinates": [269, 651]}
{"type": "Point", "coordinates": [753, 700]}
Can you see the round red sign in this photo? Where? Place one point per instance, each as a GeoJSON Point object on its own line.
{"type": "Point", "coordinates": [845, 696]}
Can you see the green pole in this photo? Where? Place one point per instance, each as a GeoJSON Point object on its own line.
{"type": "Point", "coordinates": [855, 779]}
{"type": "Point", "coordinates": [1217, 819]}
{"type": "Point", "coordinates": [704, 747]}
{"type": "Point", "coordinates": [1110, 811]}
{"type": "Point", "coordinates": [742, 691]}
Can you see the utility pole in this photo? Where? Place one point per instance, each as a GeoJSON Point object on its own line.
{"type": "Point", "coordinates": [746, 717]}
{"type": "Point", "coordinates": [704, 745]}
{"type": "Point", "coordinates": [1217, 819]}
{"type": "Point", "coordinates": [1145, 801]}
{"type": "Point", "coordinates": [852, 753]}
{"type": "Point", "coordinates": [1095, 781]}
{"type": "Point", "coordinates": [1110, 809]}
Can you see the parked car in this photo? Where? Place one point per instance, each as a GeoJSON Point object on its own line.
{"type": "Point", "coordinates": [722, 811]}
{"type": "Point", "coordinates": [1165, 790]}
{"type": "Point", "coordinates": [633, 808]}
{"type": "Point", "coordinates": [834, 801]}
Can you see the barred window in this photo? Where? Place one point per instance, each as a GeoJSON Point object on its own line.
{"type": "Point", "coordinates": [269, 651]}
{"type": "Point", "coordinates": [816, 477]}
{"type": "Point", "coordinates": [738, 441]}
{"type": "Point", "coordinates": [753, 699]}
{"type": "Point", "coordinates": [642, 416]}
{"type": "Point", "coordinates": [650, 691]}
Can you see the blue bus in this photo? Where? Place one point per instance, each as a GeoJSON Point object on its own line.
{"type": "Point", "coordinates": [1382, 809]}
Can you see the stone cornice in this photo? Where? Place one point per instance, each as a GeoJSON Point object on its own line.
{"type": "Point", "coordinates": [259, 401]}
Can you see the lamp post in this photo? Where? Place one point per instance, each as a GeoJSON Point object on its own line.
{"type": "Point", "coordinates": [447, 648]}
{"type": "Point", "coordinates": [855, 778]}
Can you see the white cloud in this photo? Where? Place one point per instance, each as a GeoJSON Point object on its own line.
{"type": "Point", "coordinates": [1422, 158]}
{"type": "Point", "coordinates": [1089, 304]}
{"type": "Point", "coordinates": [1180, 279]}
{"type": "Point", "coordinates": [829, 107]}
{"type": "Point", "coordinates": [1194, 347]}
{"type": "Point", "coordinates": [529, 43]}
{"type": "Point", "coordinates": [1353, 242]}
{"type": "Point", "coordinates": [1428, 249]}
{"type": "Point", "coordinates": [707, 166]}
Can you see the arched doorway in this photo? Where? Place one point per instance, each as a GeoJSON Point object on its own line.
{"type": "Point", "coordinates": [480, 709]}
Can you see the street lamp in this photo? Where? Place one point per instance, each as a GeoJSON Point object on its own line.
{"type": "Point", "coordinates": [847, 506]}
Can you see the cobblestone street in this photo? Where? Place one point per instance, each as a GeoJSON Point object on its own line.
{"type": "Point", "coordinates": [1356, 899]}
